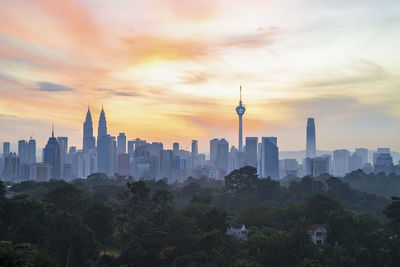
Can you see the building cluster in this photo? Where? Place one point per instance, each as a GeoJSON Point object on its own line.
{"type": "Point", "coordinates": [138, 158]}
{"type": "Point", "coordinates": [340, 162]}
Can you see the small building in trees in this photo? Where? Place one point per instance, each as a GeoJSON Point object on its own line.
{"type": "Point", "coordinates": [236, 229]}
{"type": "Point", "coordinates": [318, 234]}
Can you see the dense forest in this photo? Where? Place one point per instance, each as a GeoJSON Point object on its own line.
{"type": "Point", "coordinates": [116, 221]}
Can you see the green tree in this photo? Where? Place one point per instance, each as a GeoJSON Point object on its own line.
{"type": "Point", "coordinates": [242, 180]}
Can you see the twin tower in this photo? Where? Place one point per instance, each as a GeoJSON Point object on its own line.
{"type": "Point", "coordinates": [89, 142]}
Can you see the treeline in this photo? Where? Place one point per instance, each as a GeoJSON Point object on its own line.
{"type": "Point", "coordinates": [102, 221]}
{"type": "Point", "coordinates": [379, 184]}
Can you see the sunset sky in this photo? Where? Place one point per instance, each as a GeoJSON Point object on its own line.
{"type": "Point", "coordinates": [170, 70]}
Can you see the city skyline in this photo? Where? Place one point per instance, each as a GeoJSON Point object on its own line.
{"type": "Point", "coordinates": [170, 72]}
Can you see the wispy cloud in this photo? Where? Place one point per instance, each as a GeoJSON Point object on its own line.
{"type": "Point", "coordinates": [52, 87]}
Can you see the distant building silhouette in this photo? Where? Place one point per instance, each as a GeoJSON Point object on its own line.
{"type": "Point", "coordinates": [341, 160]}
{"type": "Point", "coordinates": [23, 151]}
{"type": "Point", "coordinates": [269, 158]}
{"type": "Point", "coordinates": [363, 154]}
{"type": "Point", "coordinates": [88, 138]}
{"type": "Point", "coordinates": [102, 128]}
{"type": "Point", "coordinates": [383, 161]}
{"type": "Point", "coordinates": [355, 162]}
{"type": "Point", "coordinates": [251, 151]}
{"type": "Point", "coordinates": [311, 143]}
{"type": "Point", "coordinates": [221, 161]}
{"type": "Point", "coordinates": [52, 156]}
{"type": "Point", "coordinates": [11, 167]}
{"type": "Point", "coordinates": [31, 150]}
{"type": "Point", "coordinates": [213, 151]}
{"type": "Point", "coordinates": [6, 149]}
{"type": "Point", "coordinates": [121, 144]}
{"type": "Point", "coordinates": [105, 160]}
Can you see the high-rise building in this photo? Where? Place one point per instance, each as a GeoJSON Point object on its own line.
{"type": "Point", "coordinates": [355, 162]}
{"type": "Point", "coordinates": [213, 151]}
{"type": "Point", "coordinates": [195, 148]}
{"type": "Point", "coordinates": [31, 151]}
{"type": "Point", "coordinates": [23, 151]}
{"type": "Point", "coordinates": [311, 144]}
{"type": "Point", "coordinates": [63, 142]}
{"type": "Point", "coordinates": [166, 163]}
{"type": "Point", "coordinates": [240, 109]}
{"type": "Point", "coordinates": [383, 161]}
{"type": "Point", "coordinates": [131, 148]}
{"type": "Point", "coordinates": [52, 156]}
{"type": "Point", "coordinates": [270, 158]}
{"type": "Point", "coordinates": [320, 165]}
{"type": "Point", "coordinates": [6, 149]}
{"type": "Point", "coordinates": [195, 152]}
{"type": "Point", "coordinates": [175, 147]}
{"type": "Point", "coordinates": [105, 160]}
{"type": "Point", "coordinates": [363, 154]}
{"type": "Point", "coordinates": [123, 164]}
{"type": "Point", "coordinates": [291, 166]}
{"type": "Point", "coordinates": [11, 167]}
{"type": "Point", "coordinates": [88, 138]}
{"type": "Point", "coordinates": [121, 144]}
{"type": "Point", "coordinates": [102, 128]}
{"type": "Point", "coordinates": [221, 161]}
{"type": "Point", "coordinates": [251, 151]}
{"type": "Point", "coordinates": [341, 160]}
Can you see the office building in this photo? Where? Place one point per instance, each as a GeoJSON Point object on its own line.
{"type": "Point", "coordinates": [311, 143]}
{"type": "Point", "coordinates": [105, 155]}
{"type": "Point", "coordinates": [291, 167]}
{"type": "Point", "coordinates": [52, 156]}
{"type": "Point", "coordinates": [221, 161]}
{"type": "Point", "coordinates": [31, 150]}
{"type": "Point", "coordinates": [270, 158]}
{"type": "Point", "coordinates": [383, 161]}
{"type": "Point", "coordinates": [341, 160]}
{"type": "Point", "coordinates": [121, 144]}
{"type": "Point", "coordinates": [363, 154]}
{"type": "Point", "coordinates": [355, 162]}
{"type": "Point", "coordinates": [11, 167]}
{"type": "Point", "coordinates": [213, 151]}
{"type": "Point", "coordinates": [251, 151]}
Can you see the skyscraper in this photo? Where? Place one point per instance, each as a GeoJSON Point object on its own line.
{"type": "Point", "coordinates": [102, 129]}
{"type": "Point", "coordinates": [270, 158]}
{"type": "Point", "coordinates": [52, 156]}
{"type": "Point", "coordinates": [22, 151]}
{"type": "Point", "coordinates": [240, 111]}
{"type": "Point", "coordinates": [213, 151]}
{"type": "Point", "coordinates": [363, 154]}
{"type": "Point", "coordinates": [63, 143]}
{"type": "Point", "coordinates": [32, 151]}
{"type": "Point", "coordinates": [175, 147]}
{"type": "Point", "coordinates": [311, 144]}
{"type": "Point", "coordinates": [251, 151]}
{"type": "Point", "coordinates": [221, 161]}
{"type": "Point", "coordinates": [121, 144]}
{"type": "Point", "coordinates": [88, 138]}
{"type": "Point", "coordinates": [105, 159]}
{"type": "Point", "coordinates": [6, 149]}
{"type": "Point", "coordinates": [341, 160]}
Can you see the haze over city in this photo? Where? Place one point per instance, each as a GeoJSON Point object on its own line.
{"type": "Point", "coordinates": [170, 70]}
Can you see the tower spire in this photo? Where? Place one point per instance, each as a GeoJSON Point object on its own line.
{"type": "Point", "coordinates": [240, 93]}
{"type": "Point", "coordinates": [52, 130]}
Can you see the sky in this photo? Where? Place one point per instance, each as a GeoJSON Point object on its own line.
{"type": "Point", "coordinates": [170, 70]}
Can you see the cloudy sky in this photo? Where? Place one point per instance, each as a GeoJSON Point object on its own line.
{"type": "Point", "coordinates": [170, 70]}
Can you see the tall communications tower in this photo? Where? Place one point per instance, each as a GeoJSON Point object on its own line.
{"type": "Point", "coordinates": [240, 111]}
